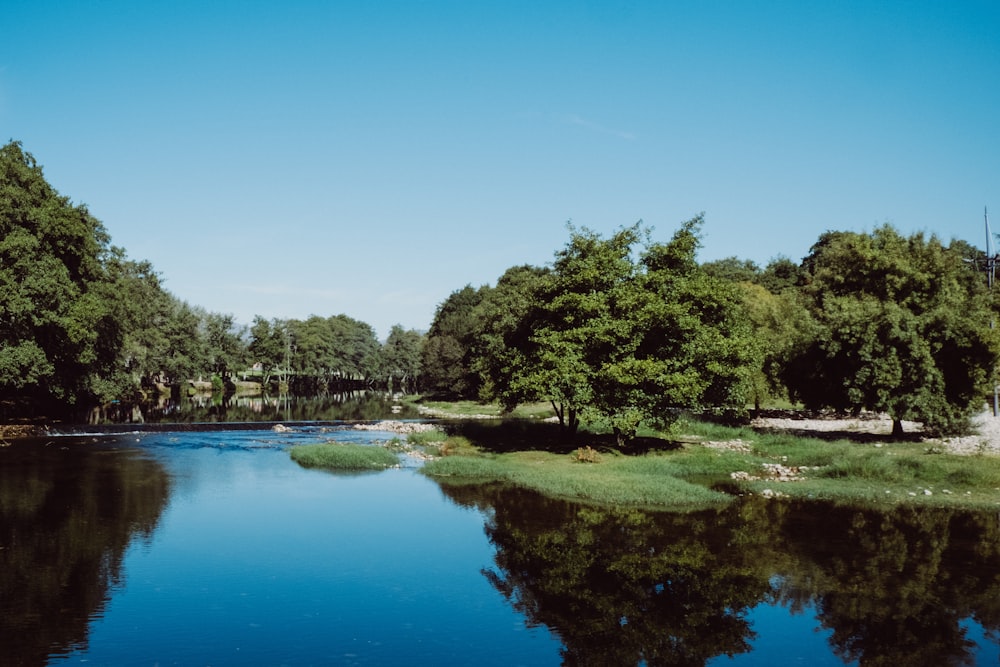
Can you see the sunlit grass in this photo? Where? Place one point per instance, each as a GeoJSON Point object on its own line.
{"type": "Point", "coordinates": [336, 456]}
{"type": "Point", "coordinates": [698, 460]}
{"type": "Point", "coordinates": [615, 480]}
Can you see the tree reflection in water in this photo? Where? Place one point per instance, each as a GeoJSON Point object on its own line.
{"type": "Point", "coordinates": [626, 586]}
{"type": "Point", "coordinates": [67, 515]}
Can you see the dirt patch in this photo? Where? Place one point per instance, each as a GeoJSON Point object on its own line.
{"type": "Point", "coordinates": [985, 438]}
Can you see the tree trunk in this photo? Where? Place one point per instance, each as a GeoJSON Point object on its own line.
{"type": "Point", "coordinates": [897, 428]}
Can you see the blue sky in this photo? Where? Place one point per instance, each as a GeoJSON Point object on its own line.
{"type": "Point", "coordinates": [288, 159]}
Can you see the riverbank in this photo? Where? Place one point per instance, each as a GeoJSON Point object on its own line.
{"type": "Point", "coordinates": [842, 460]}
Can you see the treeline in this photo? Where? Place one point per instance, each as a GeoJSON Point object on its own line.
{"type": "Point", "coordinates": [623, 330]}
{"type": "Point", "coordinates": [81, 324]}
{"type": "Point", "coordinates": [619, 330]}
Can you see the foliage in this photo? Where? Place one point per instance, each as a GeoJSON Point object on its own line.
{"type": "Point", "coordinates": [901, 327]}
{"type": "Point", "coordinates": [400, 358]}
{"type": "Point", "coordinates": [733, 269]}
{"type": "Point", "coordinates": [270, 346]}
{"type": "Point", "coordinates": [781, 324]}
{"type": "Point", "coordinates": [447, 356]}
{"type": "Point", "coordinates": [338, 456]}
{"type": "Point", "coordinates": [607, 336]}
{"type": "Point", "coordinates": [334, 348]}
{"type": "Point", "coordinates": [54, 311]}
{"type": "Point", "coordinates": [780, 274]}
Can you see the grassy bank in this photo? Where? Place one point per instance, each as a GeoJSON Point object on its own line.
{"type": "Point", "coordinates": [700, 463]}
{"type": "Point", "coordinates": [473, 409]}
{"type": "Point", "coordinates": [335, 456]}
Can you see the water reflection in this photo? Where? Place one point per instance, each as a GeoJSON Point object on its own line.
{"type": "Point", "coordinates": [628, 587]}
{"type": "Point", "coordinates": [255, 407]}
{"type": "Point", "coordinates": [67, 515]}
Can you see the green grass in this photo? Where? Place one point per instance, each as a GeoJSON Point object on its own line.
{"type": "Point", "coordinates": [617, 480]}
{"type": "Point", "coordinates": [336, 456]}
{"type": "Point", "coordinates": [678, 470]}
{"type": "Point", "coordinates": [863, 472]}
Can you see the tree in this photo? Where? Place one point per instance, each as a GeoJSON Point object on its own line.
{"type": "Point", "coordinates": [269, 346]}
{"type": "Point", "coordinates": [616, 340]}
{"type": "Point", "coordinates": [733, 269]}
{"type": "Point", "coordinates": [781, 324]}
{"type": "Point", "coordinates": [226, 346]}
{"type": "Point", "coordinates": [901, 328]}
{"type": "Point", "coordinates": [506, 323]}
{"type": "Point", "coordinates": [401, 357]}
{"type": "Point", "coordinates": [779, 275]}
{"type": "Point", "coordinates": [53, 310]}
{"type": "Point", "coordinates": [447, 356]}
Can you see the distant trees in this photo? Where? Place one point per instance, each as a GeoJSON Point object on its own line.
{"type": "Point", "coordinates": [400, 359]}
{"type": "Point", "coordinates": [81, 324]}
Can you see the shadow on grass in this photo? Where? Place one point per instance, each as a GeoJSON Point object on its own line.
{"type": "Point", "coordinates": [861, 437]}
{"type": "Point", "coordinates": [513, 435]}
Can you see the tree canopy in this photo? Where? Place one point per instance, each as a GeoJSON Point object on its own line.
{"type": "Point", "coordinates": [902, 326]}
{"type": "Point", "coordinates": [617, 333]}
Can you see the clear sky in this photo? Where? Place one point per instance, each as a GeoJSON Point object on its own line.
{"type": "Point", "coordinates": [293, 158]}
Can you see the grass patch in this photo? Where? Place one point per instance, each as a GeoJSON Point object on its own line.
{"type": "Point", "coordinates": [336, 456]}
{"type": "Point", "coordinates": [614, 480]}
{"type": "Point", "coordinates": [690, 465]}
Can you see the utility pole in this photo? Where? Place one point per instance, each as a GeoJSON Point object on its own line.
{"type": "Point", "coordinates": [991, 262]}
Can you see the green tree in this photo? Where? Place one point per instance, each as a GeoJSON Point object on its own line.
{"type": "Point", "coordinates": [780, 324]}
{"type": "Point", "coordinates": [901, 328]}
{"type": "Point", "coordinates": [401, 358]}
{"type": "Point", "coordinates": [780, 274]}
{"type": "Point", "coordinates": [334, 349]}
{"type": "Point", "coordinates": [617, 340]}
{"type": "Point", "coordinates": [53, 310]}
{"type": "Point", "coordinates": [270, 347]}
{"type": "Point", "coordinates": [447, 357]}
{"type": "Point", "coordinates": [506, 319]}
{"type": "Point", "coordinates": [225, 343]}
{"type": "Point", "coordinates": [733, 269]}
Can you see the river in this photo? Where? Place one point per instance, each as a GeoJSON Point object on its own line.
{"type": "Point", "coordinates": [211, 547]}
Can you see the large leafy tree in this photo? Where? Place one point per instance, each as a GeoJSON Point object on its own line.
{"type": "Point", "coordinates": [617, 338]}
{"type": "Point", "coordinates": [901, 326]}
{"type": "Point", "coordinates": [55, 317]}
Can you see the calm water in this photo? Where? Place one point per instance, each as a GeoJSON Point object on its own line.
{"type": "Point", "coordinates": [214, 548]}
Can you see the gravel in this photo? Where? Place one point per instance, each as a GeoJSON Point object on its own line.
{"type": "Point", "coordinates": [985, 438]}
